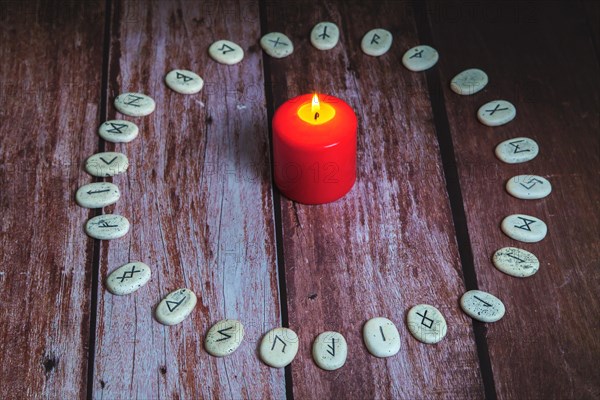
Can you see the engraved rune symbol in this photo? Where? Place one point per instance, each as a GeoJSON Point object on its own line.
{"type": "Point", "coordinates": [185, 78]}
{"type": "Point", "coordinates": [483, 301]}
{"type": "Point", "coordinates": [425, 317]}
{"type": "Point", "coordinates": [331, 347]}
{"type": "Point", "coordinates": [226, 49]}
{"type": "Point", "coordinates": [518, 147]}
{"type": "Point", "coordinates": [276, 42]}
{"type": "Point", "coordinates": [282, 342]}
{"type": "Point", "coordinates": [129, 274]}
{"type": "Point", "coordinates": [226, 336]}
{"type": "Point", "coordinates": [381, 330]}
{"type": "Point", "coordinates": [534, 180]}
{"type": "Point", "coordinates": [516, 258]}
{"type": "Point", "coordinates": [172, 305]}
{"type": "Point", "coordinates": [133, 99]}
{"type": "Point", "coordinates": [324, 34]}
{"type": "Point", "coordinates": [116, 128]}
{"type": "Point", "coordinates": [108, 162]}
{"type": "Point", "coordinates": [104, 224]}
{"type": "Point", "coordinates": [496, 109]}
{"type": "Point", "coordinates": [526, 223]}
{"type": "Point", "coordinates": [375, 39]}
{"type": "Point", "coordinates": [90, 192]}
{"type": "Point", "coordinates": [418, 54]}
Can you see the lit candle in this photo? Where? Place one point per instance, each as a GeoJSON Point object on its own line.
{"type": "Point", "coordinates": [314, 148]}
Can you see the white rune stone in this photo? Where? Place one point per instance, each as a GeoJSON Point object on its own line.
{"type": "Point", "coordinates": [118, 131]}
{"type": "Point", "coordinates": [325, 35]}
{"type": "Point", "coordinates": [528, 187]}
{"type": "Point", "coordinates": [420, 58]}
{"type": "Point", "coordinates": [426, 323]}
{"type": "Point", "coordinates": [517, 150]}
{"type": "Point", "coordinates": [128, 278]}
{"type": "Point", "coordinates": [175, 307]}
{"type": "Point", "coordinates": [184, 81]}
{"type": "Point", "coordinates": [482, 306]}
{"type": "Point", "coordinates": [381, 337]}
{"type": "Point", "coordinates": [106, 164]}
{"type": "Point", "coordinates": [97, 195]}
{"type": "Point", "coordinates": [330, 350]}
{"type": "Point", "coordinates": [107, 226]}
{"type": "Point", "coordinates": [469, 82]}
{"type": "Point", "coordinates": [376, 42]}
{"type": "Point", "coordinates": [224, 337]}
{"type": "Point", "coordinates": [279, 347]}
{"type": "Point", "coordinates": [524, 228]}
{"type": "Point", "coordinates": [277, 45]}
{"type": "Point", "coordinates": [496, 112]}
{"type": "Point", "coordinates": [226, 52]}
{"type": "Point", "coordinates": [134, 104]}
{"type": "Point", "coordinates": [516, 262]}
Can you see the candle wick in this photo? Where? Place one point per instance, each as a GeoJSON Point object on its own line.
{"type": "Point", "coordinates": [316, 115]}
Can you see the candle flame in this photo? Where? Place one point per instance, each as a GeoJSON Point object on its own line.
{"type": "Point", "coordinates": [315, 106]}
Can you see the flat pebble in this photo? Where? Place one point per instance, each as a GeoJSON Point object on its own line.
{"type": "Point", "coordinates": [330, 350]}
{"type": "Point", "coordinates": [279, 347]}
{"type": "Point", "coordinates": [224, 337]}
{"type": "Point", "coordinates": [482, 306]}
{"type": "Point", "coordinates": [426, 323]}
{"type": "Point", "coordinates": [107, 226]}
{"type": "Point", "coordinates": [226, 52]}
{"type": "Point", "coordinates": [528, 187]}
{"type": "Point", "coordinates": [420, 58]}
{"type": "Point", "coordinates": [175, 307]}
{"type": "Point", "coordinates": [517, 150]}
{"type": "Point", "coordinates": [277, 45]}
{"type": "Point", "coordinates": [106, 164]}
{"type": "Point", "coordinates": [469, 82]}
{"type": "Point", "coordinates": [496, 113]}
{"type": "Point", "coordinates": [128, 278]}
{"type": "Point", "coordinates": [381, 337]}
{"type": "Point", "coordinates": [516, 262]}
{"type": "Point", "coordinates": [118, 131]}
{"type": "Point", "coordinates": [325, 35]}
{"type": "Point", "coordinates": [97, 195]}
{"type": "Point", "coordinates": [135, 104]}
{"type": "Point", "coordinates": [184, 81]}
{"type": "Point", "coordinates": [524, 228]}
{"type": "Point", "coordinates": [376, 42]}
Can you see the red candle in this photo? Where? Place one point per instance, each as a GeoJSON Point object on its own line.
{"type": "Point", "coordinates": [314, 148]}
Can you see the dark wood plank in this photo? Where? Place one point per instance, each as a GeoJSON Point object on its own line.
{"type": "Point", "coordinates": [50, 73]}
{"type": "Point", "coordinates": [389, 244]}
{"type": "Point", "coordinates": [546, 346]}
{"type": "Point", "coordinates": [199, 198]}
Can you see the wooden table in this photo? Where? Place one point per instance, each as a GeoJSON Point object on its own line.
{"type": "Point", "coordinates": [419, 226]}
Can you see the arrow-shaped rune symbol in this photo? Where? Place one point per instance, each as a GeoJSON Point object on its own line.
{"type": "Point", "coordinates": [98, 191]}
{"type": "Point", "coordinates": [108, 162]}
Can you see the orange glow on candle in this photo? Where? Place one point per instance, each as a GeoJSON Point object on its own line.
{"type": "Point", "coordinates": [315, 112]}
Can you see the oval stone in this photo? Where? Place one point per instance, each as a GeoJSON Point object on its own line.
{"type": "Point", "coordinates": [469, 82]}
{"type": "Point", "coordinates": [107, 226]}
{"type": "Point", "coordinates": [226, 52]}
{"type": "Point", "coordinates": [279, 347]}
{"type": "Point", "coordinates": [128, 278]}
{"type": "Point", "coordinates": [524, 228]}
{"type": "Point", "coordinates": [376, 42]}
{"type": "Point", "coordinates": [330, 350]}
{"type": "Point", "coordinates": [517, 150]}
{"type": "Point", "coordinates": [184, 81]}
{"type": "Point", "coordinates": [224, 337]}
{"type": "Point", "coordinates": [277, 45]}
{"type": "Point", "coordinates": [106, 164]}
{"type": "Point", "coordinates": [420, 58]}
{"type": "Point", "coordinates": [482, 306]}
{"type": "Point", "coordinates": [426, 323]}
{"type": "Point", "coordinates": [496, 113]}
{"type": "Point", "coordinates": [325, 35]}
{"type": "Point", "coordinates": [516, 262]}
{"type": "Point", "coordinates": [118, 131]}
{"type": "Point", "coordinates": [175, 307]}
{"type": "Point", "coordinates": [97, 195]}
{"type": "Point", "coordinates": [134, 104]}
{"type": "Point", "coordinates": [528, 187]}
{"type": "Point", "coordinates": [381, 337]}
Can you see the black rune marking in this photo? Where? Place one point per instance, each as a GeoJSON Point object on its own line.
{"type": "Point", "coordinates": [282, 342]}
{"type": "Point", "coordinates": [185, 78]}
{"type": "Point", "coordinates": [277, 42]}
{"type": "Point", "coordinates": [483, 301]}
{"type": "Point", "coordinates": [381, 331]}
{"type": "Point", "coordinates": [226, 49]}
{"type": "Point", "coordinates": [375, 39]}
{"type": "Point", "coordinates": [418, 54]}
{"type": "Point", "coordinates": [105, 224]}
{"type": "Point", "coordinates": [331, 347]}
{"type": "Point", "coordinates": [172, 305]}
{"type": "Point", "coordinates": [526, 224]}
{"type": "Point", "coordinates": [226, 336]}
{"type": "Point", "coordinates": [116, 128]}
{"type": "Point", "coordinates": [90, 192]}
{"type": "Point", "coordinates": [517, 146]}
{"type": "Point", "coordinates": [129, 274]}
{"type": "Point", "coordinates": [516, 258]}
{"type": "Point", "coordinates": [534, 180]}
{"type": "Point", "coordinates": [324, 34]}
{"type": "Point", "coordinates": [425, 317]}
{"type": "Point", "coordinates": [496, 109]}
{"type": "Point", "coordinates": [133, 99]}
{"type": "Point", "coordinates": [108, 162]}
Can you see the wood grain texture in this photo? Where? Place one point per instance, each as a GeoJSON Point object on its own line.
{"type": "Point", "coordinates": [198, 196]}
{"type": "Point", "coordinates": [543, 62]}
{"type": "Point", "coordinates": [389, 244]}
{"type": "Point", "coordinates": [50, 69]}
